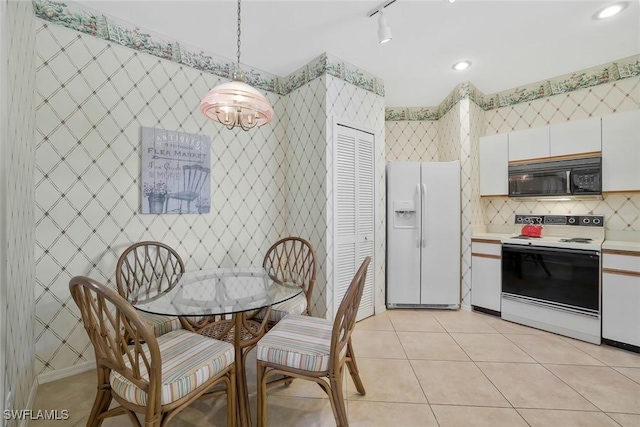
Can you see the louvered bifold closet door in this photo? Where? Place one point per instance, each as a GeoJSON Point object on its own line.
{"type": "Point", "coordinates": [355, 216]}
{"type": "Point", "coordinates": [365, 217]}
{"type": "Point", "coordinates": [345, 209]}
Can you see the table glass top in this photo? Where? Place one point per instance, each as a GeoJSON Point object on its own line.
{"type": "Point", "coordinates": [218, 291]}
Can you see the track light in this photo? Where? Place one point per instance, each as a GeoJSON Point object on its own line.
{"type": "Point", "coordinates": [384, 31]}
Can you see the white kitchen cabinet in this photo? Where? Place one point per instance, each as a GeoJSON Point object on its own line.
{"type": "Point", "coordinates": [621, 151]}
{"type": "Point", "coordinates": [486, 274]}
{"type": "Point", "coordinates": [576, 137]}
{"type": "Point", "coordinates": [493, 165]}
{"type": "Point", "coordinates": [621, 296]}
{"type": "Point", "coordinates": [529, 144]}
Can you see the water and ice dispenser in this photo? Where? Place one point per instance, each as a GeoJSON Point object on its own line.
{"type": "Point", "coordinates": [404, 214]}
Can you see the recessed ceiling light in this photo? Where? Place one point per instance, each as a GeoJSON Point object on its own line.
{"type": "Point", "coordinates": [462, 65]}
{"type": "Point", "coordinates": [609, 11]}
{"type": "Point", "coordinates": [451, 1]}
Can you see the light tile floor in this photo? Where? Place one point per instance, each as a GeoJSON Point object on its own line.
{"type": "Point", "coordinates": [434, 368]}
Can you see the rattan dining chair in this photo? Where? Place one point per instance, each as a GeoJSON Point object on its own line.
{"type": "Point", "coordinates": [286, 258]}
{"type": "Point", "coordinates": [157, 377]}
{"type": "Point", "coordinates": [146, 269]}
{"type": "Point", "coordinates": [314, 349]}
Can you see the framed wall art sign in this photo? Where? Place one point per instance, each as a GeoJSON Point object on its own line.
{"type": "Point", "coordinates": [176, 170]}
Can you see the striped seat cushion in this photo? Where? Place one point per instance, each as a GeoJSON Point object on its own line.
{"type": "Point", "coordinates": [300, 342]}
{"type": "Point", "coordinates": [295, 305]}
{"type": "Point", "coordinates": [188, 361]}
{"type": "Point", "coordinates": [161, 324]}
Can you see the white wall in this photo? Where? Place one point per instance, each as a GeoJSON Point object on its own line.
{"type": "Point", "coordinates": [17, 150]}
{"type": "Point", "coordinates": [306, 178]}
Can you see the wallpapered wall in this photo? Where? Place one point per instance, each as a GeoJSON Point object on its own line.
{"type": "Point", "coordinates": [348, 102]}
{"type": "Point", "coordinates": [412, 141]}
{"type": "Point", "coordinates": [311, 110]}
{"type": "Point", "coordinates": [621, 211]}
{"type": "Point", "coordinates": [19, 349]}
{"type": "Point", "coordinates": [92, 98]}
{"type": "Point", "coordinates": [306, 176]}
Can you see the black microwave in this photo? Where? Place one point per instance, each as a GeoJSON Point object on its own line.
{"type": "Point", "coordinates": [575, 178]}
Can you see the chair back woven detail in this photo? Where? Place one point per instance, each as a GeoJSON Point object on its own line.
{"type": "Point", "coordinates": [118, 333]}
{"type": "Point", "coordinates": [345, 319]}
{"type": "Point", "coordinates": [147, 268]}
{"type": "Point", "coordinates": [293, 255]}
{"type": "Point", "coordinates": [126, 346]}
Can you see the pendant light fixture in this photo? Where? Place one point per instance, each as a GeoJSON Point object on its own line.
{"type": "Point", "coordinates": [236, 104]}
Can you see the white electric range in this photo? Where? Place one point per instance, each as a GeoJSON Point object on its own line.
{"type": "Point", "coordinates": [553, 282]}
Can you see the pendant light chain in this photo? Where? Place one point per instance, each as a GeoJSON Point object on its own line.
{"type": "Point", "coordinates": [239, 32]}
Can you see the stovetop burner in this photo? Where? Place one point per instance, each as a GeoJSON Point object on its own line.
{"type": "Point", "coordinates": [522, 236]}
{"type": "Point", "coordinates": [577, 240]}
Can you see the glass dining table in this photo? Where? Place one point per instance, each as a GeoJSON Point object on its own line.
{"type": "Point", "coordinates": [220, 303]}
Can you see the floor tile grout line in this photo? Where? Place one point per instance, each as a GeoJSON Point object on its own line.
{"type": "Point", "coordinates": [424, 393]}
{"type": "Point", "coordinates": [485, 375]}
{"type": "Point", "coordinates": [632, 379]}
{"type": "Point", "coordinates": [540, 362]}
{"type": "Point", "coordinates": [568, 385]}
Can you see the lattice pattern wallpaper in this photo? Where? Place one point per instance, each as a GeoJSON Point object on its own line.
{"type": "Point", "coordinates": [621, 211]}
{"type": "Point", "coordinates": [412, 141]}
{"type": "Point", "coordinates": [92, 98]}
{"type": "Point", "coordinates": [348, 102]}
{"type": "Point", "coordinates": [19, 149]}
{"type": "Point", "coordinates": [306, 177]}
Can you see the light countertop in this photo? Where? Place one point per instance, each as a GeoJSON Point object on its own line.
{"type": "Point", "coordinates": [490, 236]}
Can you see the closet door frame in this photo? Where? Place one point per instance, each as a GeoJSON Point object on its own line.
{"type": "Point", "coordinates": [335, 297]}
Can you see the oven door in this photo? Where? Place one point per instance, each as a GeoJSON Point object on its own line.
{"type": "Point", "coordinates": [564, 278]}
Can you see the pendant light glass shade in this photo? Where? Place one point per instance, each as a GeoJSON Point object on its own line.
{"type": "Point", "coordinates": [236, 103]}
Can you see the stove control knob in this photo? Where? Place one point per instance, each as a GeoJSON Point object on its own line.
{"type": "Point", "coordinates": [572, 220]}
{"type": "Point", "coordinates": [596, 220]}
{"type": "Point", "coordinates": [586, 220]}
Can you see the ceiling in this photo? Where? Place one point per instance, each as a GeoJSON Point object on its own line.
{"type": "Point", "coordinates": [511, 43]}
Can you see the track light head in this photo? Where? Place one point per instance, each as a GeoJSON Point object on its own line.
{"type": "Point", "coordinates": [384, 31]}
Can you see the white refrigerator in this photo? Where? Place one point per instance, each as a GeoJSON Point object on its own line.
{"type": "Point", "coordinates": [423, 234]}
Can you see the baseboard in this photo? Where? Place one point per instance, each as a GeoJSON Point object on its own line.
{"type": "Point", "coordinates": [486, 311]}
{"type": "Point", "coordinates": [24, 422]}
{"type": "Point", "coordinates": [59, 374]}
{"type": "Point", "coordinates": [624, 346]}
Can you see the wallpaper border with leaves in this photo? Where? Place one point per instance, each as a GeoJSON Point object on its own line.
{"type": "Point", "coordinates": [621, 69]}
{"type": "Point", "coordinates": [80, 18]}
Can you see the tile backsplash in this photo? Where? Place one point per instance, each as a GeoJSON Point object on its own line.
{"type": "Point", "coordinates": [621, 210]}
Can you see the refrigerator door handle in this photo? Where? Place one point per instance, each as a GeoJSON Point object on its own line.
{"type": "Point", "coordinates": [424, 216]}
{"type": "Point", "coordinates": [418, 230]}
